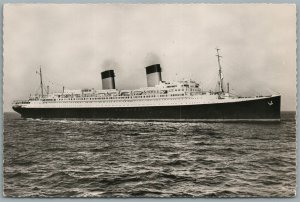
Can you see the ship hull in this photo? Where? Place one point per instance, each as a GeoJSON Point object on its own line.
{"type": "Point", "coordinates": [265, 109]}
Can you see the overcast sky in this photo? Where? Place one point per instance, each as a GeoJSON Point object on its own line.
{"type": "Point", "coordinates": [74, 43]}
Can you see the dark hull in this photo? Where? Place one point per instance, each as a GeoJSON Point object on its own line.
{"type": "Point", "coordinates": [267, 109]}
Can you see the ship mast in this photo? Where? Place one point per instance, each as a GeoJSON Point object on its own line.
{"type": "Point", "coordinates": [221, 89]}
{"type": "Point", "coordinates": [41, 78]}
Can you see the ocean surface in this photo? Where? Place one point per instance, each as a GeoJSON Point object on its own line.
{"type": "Point", "coordinates": [64, 158]}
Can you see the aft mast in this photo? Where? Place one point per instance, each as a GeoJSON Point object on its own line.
{"type": "Point", "coordinates": [41, 80]}
{"type": "Point", "coordinates": [221, 89]}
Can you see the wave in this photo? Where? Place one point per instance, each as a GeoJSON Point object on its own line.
{"type": "Point", "coordinates": [18, 175]}
{"type": "Point", "coordinates": [179, 162]}
{"type": "Point", "coordinates": [24, 163]}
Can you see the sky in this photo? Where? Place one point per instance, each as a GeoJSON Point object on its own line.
{"type": "Point", "coordinates": [73, 43]}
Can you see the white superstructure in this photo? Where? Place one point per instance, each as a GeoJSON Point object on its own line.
{"type": "Point", "coordinates": [184, 92]}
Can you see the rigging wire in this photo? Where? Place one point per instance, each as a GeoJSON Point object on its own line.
{"type": "Point", "coordinates": [48, 82]}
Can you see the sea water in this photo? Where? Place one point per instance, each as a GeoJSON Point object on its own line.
{"type": "Point", "coordinates": [82, 158]}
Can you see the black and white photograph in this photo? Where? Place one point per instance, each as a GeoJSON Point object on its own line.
{"type": "Point", "coordinates": [149, 100]}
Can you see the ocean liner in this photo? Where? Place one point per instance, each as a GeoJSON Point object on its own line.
{"type": "Point", "coordinates": [183, 100]}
